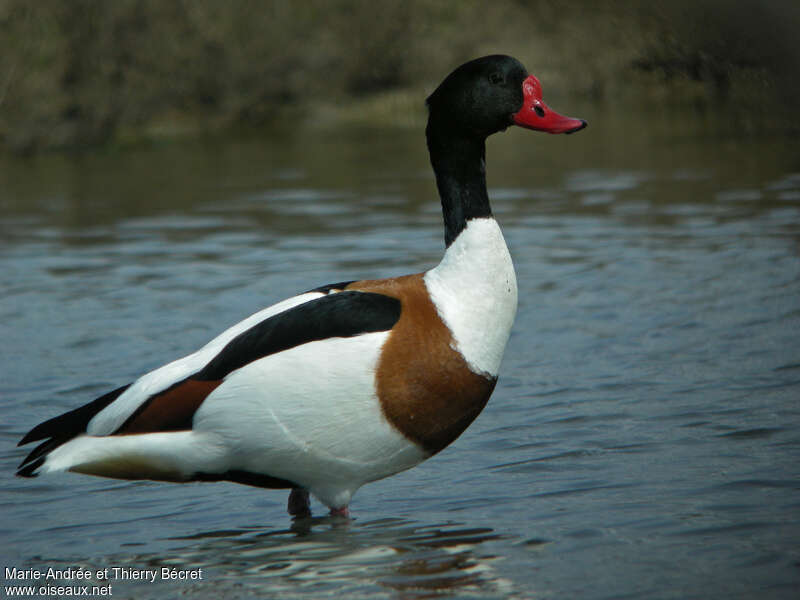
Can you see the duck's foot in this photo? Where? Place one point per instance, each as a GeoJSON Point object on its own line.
{"type": "Point", "coordinates": [343, 511]}
{"type": "Point", "coordinates": [298, 505]}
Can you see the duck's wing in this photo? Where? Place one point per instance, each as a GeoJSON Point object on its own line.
{"type": "Point", "coordinates": [166, 399]}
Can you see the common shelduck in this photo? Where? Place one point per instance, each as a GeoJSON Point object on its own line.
{"type": "Point", "coordinates": [346, 383]}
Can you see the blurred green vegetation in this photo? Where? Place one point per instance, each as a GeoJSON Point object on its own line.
{"type": "Point", "coordinates": [76, 73]}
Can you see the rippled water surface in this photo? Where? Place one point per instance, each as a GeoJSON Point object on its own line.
{"type": "Point", "coordinates": [643, 439]}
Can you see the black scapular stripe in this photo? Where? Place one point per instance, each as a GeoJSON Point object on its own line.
{"type": "Point", "coordinates": [344, 314]}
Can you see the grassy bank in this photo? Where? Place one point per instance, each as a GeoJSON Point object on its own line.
{"type": "Point", "coordinates": [86, 72]}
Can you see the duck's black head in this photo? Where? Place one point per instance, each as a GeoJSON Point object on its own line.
{"type": "Point", "coordinates": [488, 94]}
{"type": "Point", "coordinates": [480, 98]}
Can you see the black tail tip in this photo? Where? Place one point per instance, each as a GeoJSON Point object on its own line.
{"type": "Point", "coordinates": [28, 469]}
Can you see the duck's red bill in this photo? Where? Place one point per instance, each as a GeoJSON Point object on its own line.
{"type": "Point", "coordinates": [536, 115]}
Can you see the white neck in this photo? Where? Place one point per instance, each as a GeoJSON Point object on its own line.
{"type": "Point", "coordinates": [474, 288]}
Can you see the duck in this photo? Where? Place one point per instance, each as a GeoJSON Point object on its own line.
{"type": "Point", "coordinates": [347, 383]}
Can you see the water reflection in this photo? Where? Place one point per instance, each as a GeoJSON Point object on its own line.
{"type": "Point", "coordinates": [325, 555]}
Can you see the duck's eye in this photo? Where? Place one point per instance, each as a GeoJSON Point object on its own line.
{"type": "Point", "coordinates": [496, 78]}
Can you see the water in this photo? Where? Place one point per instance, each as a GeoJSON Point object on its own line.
{"type": "Point", "coordinates": [643, 439]}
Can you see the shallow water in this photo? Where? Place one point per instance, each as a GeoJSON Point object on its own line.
{"type": "Point", "coordinates": [643, 439]}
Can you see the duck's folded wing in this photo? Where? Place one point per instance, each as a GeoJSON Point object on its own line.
{"type": "Point", "coordinates": [165, 400]}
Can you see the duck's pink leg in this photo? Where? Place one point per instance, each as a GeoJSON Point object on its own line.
{"type": "Point", "coordinates": [298, 505]}
{"type": "Point", "coordinates": [344, 511]}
